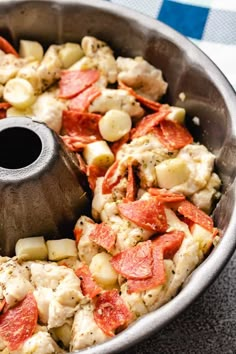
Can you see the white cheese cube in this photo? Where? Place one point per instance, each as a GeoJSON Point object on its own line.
{"type": "Point", "coordinates": [31, 248]}
{"type": "Point", "coordinates": [69, 54]}
{"type": "Point", "coordinates": [31, 49]}
{"type": "Point", "coordinates": [59, 249]}
{"type": "Point", "coordinates": [19, 92]}
{"type": "Point", "coordinates": [102, 270]}
{"type": "Point", "coordinates": [177, 114]}
{"type": "Point", "coordinates": [114, 125]}
{"type": "Point", "coordinates": [98, 154]}
{"type": "Point", "coordinates": [171, 173]}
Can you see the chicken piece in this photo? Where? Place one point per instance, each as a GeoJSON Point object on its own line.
{"type": "Point", "coordinates": [144, 78]}
{"type": "Point", "coordinates": [204, 199]}
{"type": "Point", "coordinates": [102, 55]}
{"type": "Point", "coordinates": [200, 162]}
{"type": "Point", "coordinates": [29, 72]}
{"type": "Point", "coordinates": [185, 260]}
{"type": "Point", "coordinates": [86, 248]}
{"type": "Point", "coordinates": [57, 292]}
{"type": "Point", "coordinates": [134, 302]}
{"type": "Point", "coordinates": [116, 99]}
{"type": "Point", "coordinates": [10, 65]}
{"type": "Point", "coordinates": [48, 109]}
{"type": "Point", "coordinates": [40, 343]}
{"type": "Point", "coordinates": [50, 67]}
{"type": "Point", "coordinates": [14, 282]}
{"type": "Point", "coordinates": [146, 152]}
{"type": "Point", "coordinates": [85, 331]}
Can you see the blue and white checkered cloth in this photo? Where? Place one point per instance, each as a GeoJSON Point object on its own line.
{"type": "Point", "coordinates": [211, 24]}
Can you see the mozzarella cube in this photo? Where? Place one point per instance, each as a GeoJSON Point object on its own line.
{"type": "Point", "coordinates": [69, 54]}
{"type": "Point", "coordinates": [114, 125]}
{"type": "Point", "coordinates": [98, 154]}
{"type": "Point", "coordinates": [31, 248]}
{"type": "Point", "coordinates": [177, 114]}
{"type": "Point", "coordinates": [59, 249]}
{"type": "Point", "coordinates": [102, 270]}
{"type": "Point", "coordinates": [171, 173]}
{"type": "Point", "coordinates": [31, 49]}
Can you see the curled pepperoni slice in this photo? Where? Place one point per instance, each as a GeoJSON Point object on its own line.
{"type": "Point", "coordinates": [134, 262]}
{"type": "Point", "coordinates": [158, 274]}
{"type": "Point", "coordinates": [77, 233]}
{"type": "Point", "coordinates": [82, 101]}
{"type": "Point", "coordinates": [169, 243]}
{"type": "Point", "coordinates": [77, 143]}
{"type": "Point", "coordinates": [190, 211]}
{"type": "Point", "coordinates": [93, 172]}
{"type": "Point", "coordinates": [148, 214]}
{"type": "Point", "coordinates": [81, 125]}
{"type": "Point", "coordinates": [6, 47]}
{"type": "Point", "coordinates": [88, 285]}
{"type": "Point", "coordinates": [163, 195]}
{"type": "Point", "coordinates": [164, 246]}
{"type": "Point", "coordinates": [155, 106]}
{"type": "Point", "coordinates": [173, 135]}
{"type": "Point", "coordinates": [111, 178]}
{"type": "Point", "coordinates": [74, 82]}
{"type": "Point", "coordinates": [147, 123]}
{"type": "Point", "coordinates": [103, 235]}
{"type": "Point", "coordinates": [18, 323]}
{"type": "Point", "coordinates": [132, 187]}
{"type": "Point", "coordinates": [111, 312]}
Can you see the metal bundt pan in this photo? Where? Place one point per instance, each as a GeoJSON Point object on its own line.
{"type": "Point", "coordinates": [208, 96]}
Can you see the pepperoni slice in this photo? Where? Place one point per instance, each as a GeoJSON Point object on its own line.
{"type": "Point", "coordinates": [81, 125]}
{"type": "Point", "coordinates": [163, 195]}
{"type": "Point", "coordinates": [196, 215]}
{"type": "Point", "coordinates": [147, 123]}
{"type": "Point", "coordinates": [111, 179]}
{"type": "Point", "coordinates": [115, 147]}
{"type": "Point", "coordinates": [7, 47]}
{"type": "Point", "coordinates": [111, 312]}
{"type": "Point", "coordinates": [158, 274]}
{"type": "Point", "coordinates": [155, 106]}
{"type": "Point", "coordinates": [169, 243]}
{"type": "Point", "coordinates": [134, 262]}
{"type": "Point", "coordinates": [74, 82]}
{"type": "Point", "coordinates": [164, 246]}
{"type": "Point", "coordinates": [93, 172]}
{"type": "Point", "coordinates": [103, 235]}
{"type": "Point", "coordinates": [82, 101]}
{"type": "Point", "coordinates": [77, 234]}
{"type": "Point", "coordinates": [132, 187]}
{"type": "Point", "coordinates": [76, 144]}
{"type": "Point", "coordinates": [148, 214]}
{"type": "Point", "coordinates": [88, 285]}
{"type": "Point", "coordinates": [18, 323]}
{"type": "Point", "coordinates": [173, 135]}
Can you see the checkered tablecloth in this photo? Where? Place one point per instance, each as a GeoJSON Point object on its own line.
{"type": "Point", "coordinates": [211, 24]}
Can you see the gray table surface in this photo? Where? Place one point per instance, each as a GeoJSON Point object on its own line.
{"type": "Point", "coordinates": [208, 326]}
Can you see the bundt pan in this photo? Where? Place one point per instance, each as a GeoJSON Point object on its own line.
{"type": "Point", "coordinates": [208, 96]}
{"type": "Point", "coordinates": [40, 184]}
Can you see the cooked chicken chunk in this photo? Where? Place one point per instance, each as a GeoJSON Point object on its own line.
{"type": "Point", "coordinates": [85, 331]}
{"type": "Point", "coordinates": [116, 99]}
{"type": "Point", "coordinates": [144, 78]}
